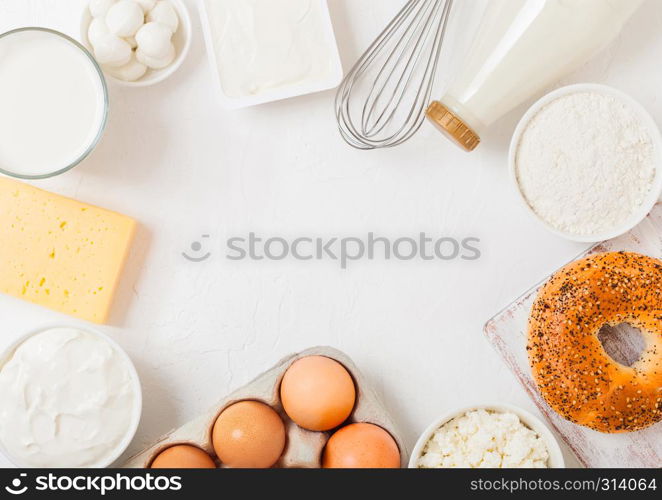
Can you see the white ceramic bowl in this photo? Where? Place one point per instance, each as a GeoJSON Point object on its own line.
{"type": "Point", "coordinates": [654, 195]}
{"type": "Point", "coordinates": [135, 418]}
{"type": "Point", "coordinates": [556, 460]}
{"type": "Point", "coordinates": [181, 40]}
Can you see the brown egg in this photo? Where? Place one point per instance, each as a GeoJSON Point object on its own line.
{"type": "Point", "coordinates": [361, 446]}
{"type": "Point", "coordinates": [249, 434]}
{"type": "Point", "coordinates": [317, 393]}
{"type": "Point", "coordinates": [183, 456]}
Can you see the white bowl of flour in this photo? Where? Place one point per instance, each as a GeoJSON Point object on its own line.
{"type": "Point", "coordinates": [587, 161]}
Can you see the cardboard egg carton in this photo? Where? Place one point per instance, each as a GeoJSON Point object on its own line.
{"type": "Point", "coordinates": [303, 448]}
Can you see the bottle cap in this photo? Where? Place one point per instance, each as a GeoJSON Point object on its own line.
{"type": "Point", "coordinates": [452, 126]}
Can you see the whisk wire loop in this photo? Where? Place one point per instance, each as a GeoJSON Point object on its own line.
{"type": "Point", "coordinates": [382, 101]}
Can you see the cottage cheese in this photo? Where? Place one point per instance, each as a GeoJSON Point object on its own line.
{"type": "Point", "coordinates": [484, 439]}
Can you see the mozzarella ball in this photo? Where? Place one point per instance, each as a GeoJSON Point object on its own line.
{"type": "Point", "coordinates": [131, 40]}
{"type": "Point", "coordinates": [125, 18]}
{"type": "Point", "coordinates": [146, 5]}
{"type": "Point", "coordinates": [154, 40]}
{"type": "Point", "coordinates": [112, 51]}
{"type": "Point", "coordinates": [99, 8]}
{"type": "Point", "coordinates": [157, 62]}
{"type": "Point", "coordinates": [131, 71]}
{"type": "Point", "coordinates": [97, 31]}
{"type": "Point", "coordinates": [164, 13]}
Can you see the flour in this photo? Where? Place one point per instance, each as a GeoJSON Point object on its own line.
{"type": "Point", "coordinates": [586, 163]}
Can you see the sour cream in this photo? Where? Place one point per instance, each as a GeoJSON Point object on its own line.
{"type": "Point", "coordinates": [68, 398]}
{"type": "Point", "coordinates": [263, 46]}
{"type": "Point", "coordinates": [52, 103]}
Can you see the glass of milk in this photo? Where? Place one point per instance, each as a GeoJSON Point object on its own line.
{"type": "Point", "coordinates": [53, 103]}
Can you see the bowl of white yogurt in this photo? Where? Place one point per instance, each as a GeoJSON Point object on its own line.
{"type": "Point", "coordinates": [586, 161]}
{"type": "Point", "coordinates": [487, 436]}
{"type": "Point", "coordinates": [54, 103]}
{"type": "Point", "coordinates": [70, 397]}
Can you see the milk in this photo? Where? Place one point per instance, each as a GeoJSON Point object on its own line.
{"type": "Point", "coordinates": [522, 47]}
{"type": "Point", "coordinates": [52, 103]}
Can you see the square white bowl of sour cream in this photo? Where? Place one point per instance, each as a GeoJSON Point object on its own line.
{"type": "Point", "coordinates": [262, 51]}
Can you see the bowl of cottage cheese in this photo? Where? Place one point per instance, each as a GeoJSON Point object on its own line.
{"type": "Point", "coordinates": [494, 436]}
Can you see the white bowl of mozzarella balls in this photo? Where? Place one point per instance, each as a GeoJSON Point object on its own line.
{"type": "Point", "coordinates": [137, 42]}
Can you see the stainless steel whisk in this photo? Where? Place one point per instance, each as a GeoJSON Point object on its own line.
{"type": "Point", "coordinates": [382, 101]}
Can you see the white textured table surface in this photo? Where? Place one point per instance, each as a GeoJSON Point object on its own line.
{"type": "Point", "coordinates": [176, 161]}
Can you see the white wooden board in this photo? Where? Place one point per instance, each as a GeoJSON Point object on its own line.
{"type": "Point", "coordinates": [507, 332]}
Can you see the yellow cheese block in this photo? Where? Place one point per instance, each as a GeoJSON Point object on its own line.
{"type": "Point", "coordinates": [60, 253]}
